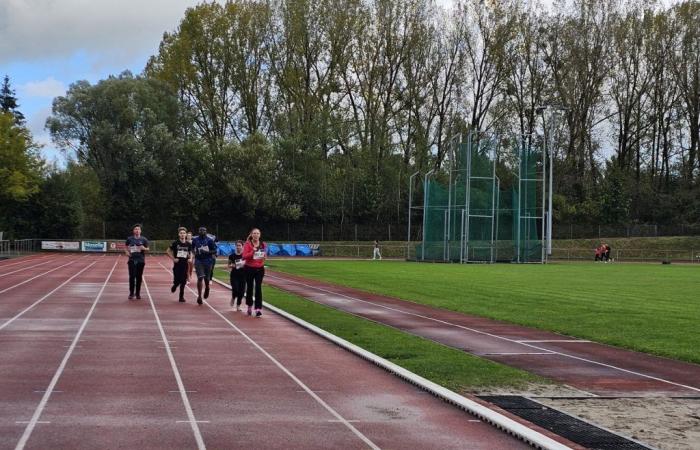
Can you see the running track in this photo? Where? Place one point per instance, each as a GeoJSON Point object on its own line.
{"type": "Point", "coordinates": [591, 367]}
{"type": "Point", "coordinates": [83, 367]}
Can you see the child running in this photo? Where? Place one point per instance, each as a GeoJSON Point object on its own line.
{"type": "Point", "coordinates": [180, 251]}
{"type": "Point", "coordinates": [254, 253]}
{"type": "Point", "coordinates": [238, 274]}
{"type": "Point", "coordinates": [136, 248]}
{"type": "Point", "coordinates": [204, 253]}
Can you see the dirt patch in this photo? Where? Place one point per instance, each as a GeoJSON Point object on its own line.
{"type": "Point", "coordinates": [661, 422]}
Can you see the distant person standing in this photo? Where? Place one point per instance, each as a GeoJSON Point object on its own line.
{"type": "Point", "coordinates": [377, 254]}
{"type": "Point", "coordinates": [238, 275]}
{"type": "Point", "coordinates": [254, 254]}
{"type": "Point", "coordinates": [606, 253]}
{"type": "Point", "coordinates": [136, 248]}
{"type": "Point", "coordinates": [204, 254]}
{"type": "Point", "coordinates": [180, 251]}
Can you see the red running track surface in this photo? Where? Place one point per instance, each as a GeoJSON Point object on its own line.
{"type": "Point", "coordinates": [589, 366]}
{"type": "Point", "coordinates": [155, 373]}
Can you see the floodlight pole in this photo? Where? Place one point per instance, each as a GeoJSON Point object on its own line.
{"type": "Point", "coordinates": [410, 211]}
{"type": "Point", "coordinates": [550, 148]}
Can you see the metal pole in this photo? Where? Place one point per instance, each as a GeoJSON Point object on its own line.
{"type": "Point", "coordinates": [425, 209]}
{"type": "Point", "coordinates": [410, 210]}
{"type": "Point", "coordinates": [544, 233]}
{"type": "Point", "coordinates": [468, 191]}
{"type": "Point", "coordinates": [551, 177]}
{"type": "Point", "coordinates": [493, 201]}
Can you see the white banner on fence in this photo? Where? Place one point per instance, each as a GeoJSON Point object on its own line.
{"type": "Point", "coordinates": [94, 246]}
{"type": "Point", "coordinates": [60, 245]}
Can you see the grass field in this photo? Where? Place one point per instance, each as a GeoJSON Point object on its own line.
{"type": "Point", "coordinates": [446, 366]}
{"type": "Point", "coordinates": [649, 308]}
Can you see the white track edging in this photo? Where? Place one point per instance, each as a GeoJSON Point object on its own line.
{"type": "Point", "coordinates": [482, 412]}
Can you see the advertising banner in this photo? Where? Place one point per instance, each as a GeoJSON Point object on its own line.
{"type": "Point", "coordinates": [60, 245]}
{"type": "Point", "coordinates": [94, 246]}
{"type": "Point", "coordinates": [116, 246]}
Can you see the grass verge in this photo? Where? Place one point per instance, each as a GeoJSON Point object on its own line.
{"type": "Point", "coordinates": [448, 367]}
{"type": "Point", "coordinates": [648, 308]}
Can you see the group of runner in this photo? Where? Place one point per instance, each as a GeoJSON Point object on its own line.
{"type": "Point", "coordinates": [247, 265]}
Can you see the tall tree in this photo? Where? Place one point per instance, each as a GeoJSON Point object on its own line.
{"type": "Point", "coordinates": [8, 101]}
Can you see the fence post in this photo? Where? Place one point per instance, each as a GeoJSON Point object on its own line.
{"type": "Point", "coordinates": [389, 232]}
{"type": "Point", "coordinates": [321, 232]}
{"type": "Point", "coordinates": [356, 238]}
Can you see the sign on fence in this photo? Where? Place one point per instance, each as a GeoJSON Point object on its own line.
{"type": "Point", "coordinates": [94, 246]}
{"type": "Point", "coordinates": [116, 246]}
{"type": "Point", "coordinates": [60, 245]}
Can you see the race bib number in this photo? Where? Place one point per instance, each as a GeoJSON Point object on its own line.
{"type": "Point", "coordinates": [134, 249]}
{"type": "Point", "coordinates": [182, 254]}
{"type": "Point", "coordinates": [239, 264]}
{"type": "Point", "coordinates": [260, 254]}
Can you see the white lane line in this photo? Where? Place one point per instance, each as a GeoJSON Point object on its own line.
{"type": "Point", "coordinates": [554, 341]}
{"type": "Point", "coordinates": [37, 276]}
{"type": "Point", "coordinates": [318, 399]}
{"type": "Point", "coordinates": [23, 268]}
{"type": "Point", "coordinates": [45, 399]}
{"type": "Point", "coordinates": [21, 261]}
{"type": "Point", "coordinates": [26, 421]}
{"type": "Point", "coordinates": [566, 355]}
{"type": "Point", "coordinates": [180, 385]}
{"type": "Point", "coordinates": [515, 354]}
{"type": "Point", "coordinates": [44, 297]}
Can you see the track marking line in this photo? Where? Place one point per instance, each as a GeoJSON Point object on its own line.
{"type": "Point", "coordinates": [41, 391]}
{"type": "Point", "coordinates": [515, 354]}
{"type": "Point", "coordinates": [301, 384]}
{"type": "Point", "coordinates": [348, 420]}
{"type": "Point", "coordinates": [37, 276]}
{"type": "Point", "coordinates": [180, 385]}
{"type": "Point", "coordinates": [576, 341]}
{"type": "Point", "coordinates": [30, 307]}
{"type": "Point", "coordinates": [44, 400]}
{"type": "Point", "coordinates": [177, 392]}
{"type": "Point", "coordinates": [610, 366]}
{"type": "Point", "coordinates": [27, 421]}
{"type": "Point", "coordinates": [23, 268]}
{"type": "Point", "coordinates": [190, 421]}
{"type": "Point", "coordinates": [23, 261]}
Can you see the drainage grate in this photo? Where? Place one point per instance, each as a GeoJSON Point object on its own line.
{"type": "Point", "coordinates": [571, 428]}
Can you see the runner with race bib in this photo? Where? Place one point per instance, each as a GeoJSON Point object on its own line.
{"type": "Point", "coordinates": [180, 251]}
{"type": "Point", "coordinates": [136, 248]}
{"type": "Point", "coordinates": [254, 254]}
{"type": "Point", "coordinates": [236, 263]}
{"type": "Point", "coordinates": [204, 255]}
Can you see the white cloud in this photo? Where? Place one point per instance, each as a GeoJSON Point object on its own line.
{"type": "Point", "coordinates": [47, 88]}
{"type": "Point", "coordinates": [38, 29]}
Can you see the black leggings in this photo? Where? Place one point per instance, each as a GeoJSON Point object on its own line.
{"type": "Point", "coordinates": [180, 276]}
{"type": "Point", "coordinates": [238, 286]}
{"type": "Point", "coordinates": [135, 276]}
{"type": "Point", "coordinates": [254, 275]}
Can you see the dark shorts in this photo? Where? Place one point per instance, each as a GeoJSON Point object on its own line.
{"type": "Point", "coordinates": [203, 267]}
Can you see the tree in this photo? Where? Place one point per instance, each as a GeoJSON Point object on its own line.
{"type": "Point", "coordinates": [8, 101]}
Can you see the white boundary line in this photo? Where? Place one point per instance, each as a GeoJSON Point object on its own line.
{"type": "Point", "coordinates": [181, 387]}
{"type": "Point", "coordinates": [482, 412]}
{"type": "Point", "coordinates": [37, 276]}
{"type": "Point", "coordinates": [44, 297]}
{"type": "Point", "coordinates": [44, 400]}
{"type": "Point", "coordinates": [328, 408]}
{"type": "Point", "coordinates": [25, 268]}
{"type": "Point", "coordinates": [22, 260]}
{"type": "Point", "coordinates": [495, 336]}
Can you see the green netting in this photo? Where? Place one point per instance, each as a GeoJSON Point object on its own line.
{"type": "Point", "coordinates": [486, 206]}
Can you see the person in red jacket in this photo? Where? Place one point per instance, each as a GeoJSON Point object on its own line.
{"type": "Point", "coordinates": [254, 254]}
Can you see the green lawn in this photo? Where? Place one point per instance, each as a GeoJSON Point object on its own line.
{"type": "Point", "coordinates": [650, 308]}
{"type": "Point", "coordinates": [446, 366]}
